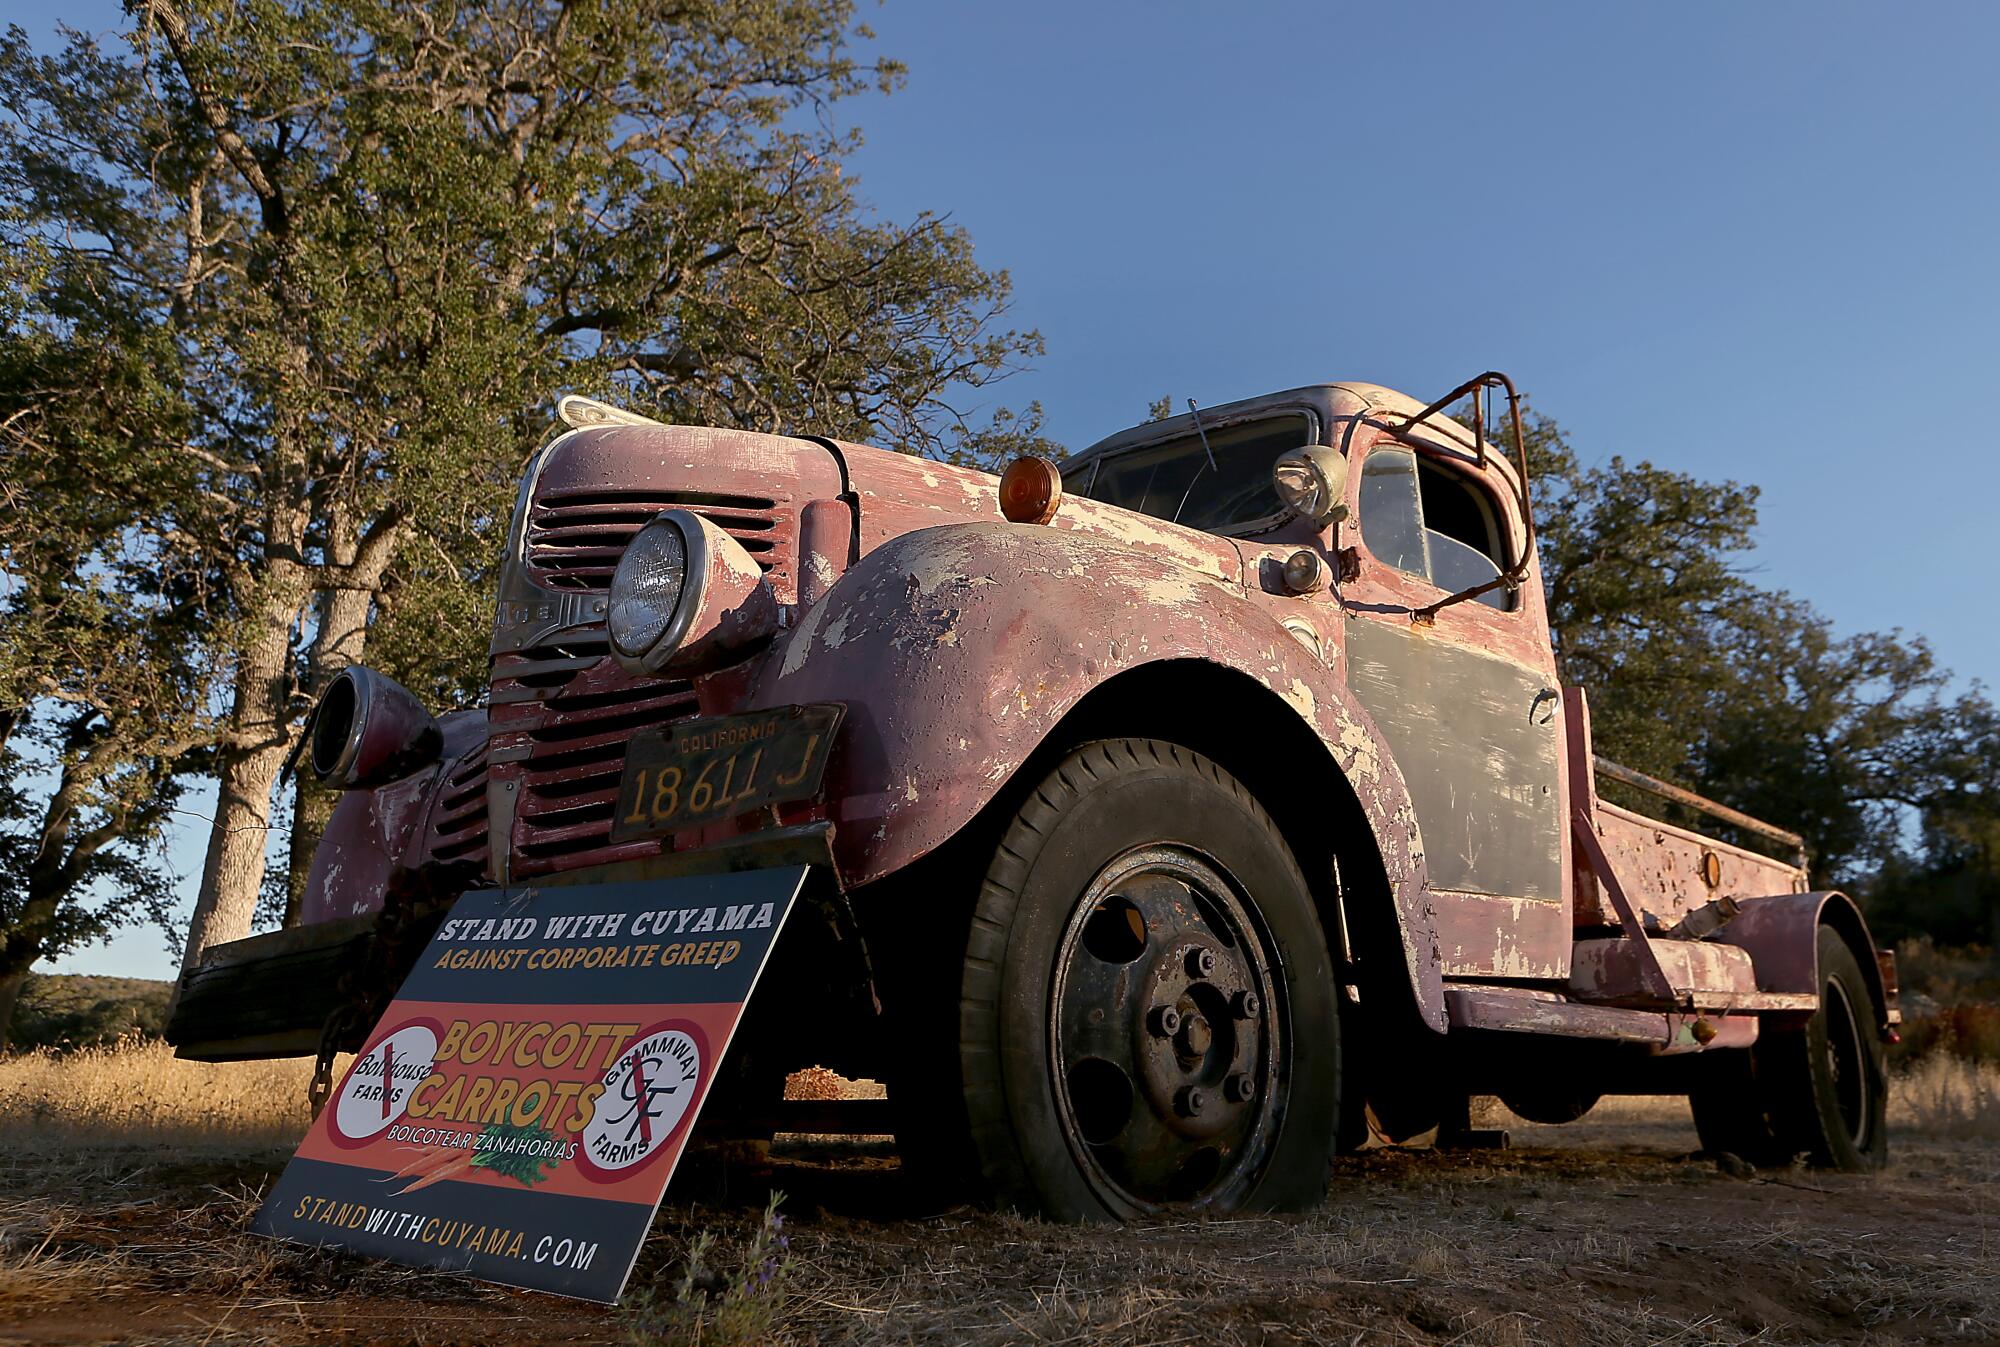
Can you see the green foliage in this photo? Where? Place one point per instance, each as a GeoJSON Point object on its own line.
{"type": "Point", "coordinates": [524, 1167]}
{"type": "Point", "coordinates": [719, 1301]}
{"type": "Point", "coordinates": [65, 1011]}
{"type": "Point", "coordinates": [1968, 1031]}
{"type": "Point", "coordinates": [291, 284]}
{"type": "Point", "coordinates": [431, 626]}
{"type": "Point", "coordinates": [100, 675]}
{"type": "Point", "coordinates": [1947, 974]}
{"type": "Point", "coordinates": [1006, 435]}
{"type": "Point", "coordinates": [1639, 569]}
{"type": "Point", "coordinates": [1699, 675]}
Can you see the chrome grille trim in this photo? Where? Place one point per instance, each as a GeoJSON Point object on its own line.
{"type": "Point", "coordinates": [574, 539]}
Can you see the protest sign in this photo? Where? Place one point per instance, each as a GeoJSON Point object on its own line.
{"type": "Point", "coordinates": [521, 1106]}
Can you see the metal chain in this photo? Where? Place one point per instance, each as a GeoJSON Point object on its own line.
{"type": "Point", "coordinates": [329, 1046]}
{"type": "Point", "coordinates": [364, 990]}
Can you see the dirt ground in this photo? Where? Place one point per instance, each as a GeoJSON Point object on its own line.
{"type": "Point", "coordinates": [1609, 1231]}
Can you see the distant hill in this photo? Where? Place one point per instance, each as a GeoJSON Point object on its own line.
{"type": "Point", "coordinates": [75, 1010]}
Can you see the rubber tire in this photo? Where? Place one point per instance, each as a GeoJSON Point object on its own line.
{"type": "Point", "coordinates": [1777, 1101]}
{"type": "Point", "coordinates": [1103, 800]}
{"type": "Point", "coordinates": [1804, 1110]}
{"type": "Point", "coordinates": [1729, 1113]}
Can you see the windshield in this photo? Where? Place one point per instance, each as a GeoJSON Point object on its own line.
{"type": "Point", "coordinates": [1173, 477]}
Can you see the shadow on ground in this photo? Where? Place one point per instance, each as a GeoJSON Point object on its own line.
{"type": "Point", "coordinates": [1619, 1234]}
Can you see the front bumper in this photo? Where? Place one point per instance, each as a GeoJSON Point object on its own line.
{"type": "Point", "coordinates": [274, 995]}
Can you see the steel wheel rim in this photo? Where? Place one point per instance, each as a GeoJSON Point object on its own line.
{"type": "Point", "coordinates": [1160, 1108]}
{"type": "Point", "coordinates": [1847, 1064]}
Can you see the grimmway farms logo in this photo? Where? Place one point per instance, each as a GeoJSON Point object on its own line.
{"type": "Point", "coordinates": [378, 1087]}
{"type": "Point", "coordinates": [647, 1092]}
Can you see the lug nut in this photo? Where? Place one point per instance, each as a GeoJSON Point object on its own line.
{"type": "Point", "coordinates": [1190, 1101]}
{"type": "Point", "coordinates": [1238, 1088]}
{"type": "Point", "coordinates": [1245, 1005]}
{"type": "Point", "coordinates": [1200, 962]}
{"type": "Point", "coordinates": [1164, 1021]}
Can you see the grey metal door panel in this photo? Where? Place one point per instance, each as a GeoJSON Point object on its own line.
{"type": "Point", "coordinates": [1481, 770]}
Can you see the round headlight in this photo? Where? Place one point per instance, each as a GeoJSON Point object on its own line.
{"type": "Point", "coordinates": [647, 587]}
{"type": "Point", "coordinates": [684, 596]}
{"type": "Point", "coordinates": [1312, 484]}
{"type": "Point", "coordinates": [1299, 486]}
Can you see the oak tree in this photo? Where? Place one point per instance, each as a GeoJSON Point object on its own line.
{"type": "Point", "coordinates": [371, 239]}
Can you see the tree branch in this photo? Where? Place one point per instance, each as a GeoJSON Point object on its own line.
{"type": "Point", "coordinates": [241, 156]}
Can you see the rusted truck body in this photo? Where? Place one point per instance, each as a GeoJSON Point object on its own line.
{"type": "Point", "coordinates": [1178, 816]}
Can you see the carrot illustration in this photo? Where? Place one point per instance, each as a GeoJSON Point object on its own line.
{"type": "Point", "coordinates": [459, 1165]}
{"type": "Point", "coordinates": [428, 1158]}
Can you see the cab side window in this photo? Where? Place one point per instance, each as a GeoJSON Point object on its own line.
{"type": "Point", "coordinates": [1392, 512]}
{"type": "Point", "coordinates": [1431, 522]}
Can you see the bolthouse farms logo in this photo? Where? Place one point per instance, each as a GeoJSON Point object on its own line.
{"type": "Point", "coordinates": [647, 1091]}
{"type": "Point", "coordinates": [378, 1087]}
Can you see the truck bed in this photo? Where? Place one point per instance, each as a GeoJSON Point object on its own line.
{"type": "Point", "coordinates": [1666, 870]}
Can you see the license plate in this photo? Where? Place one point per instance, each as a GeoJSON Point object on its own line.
{"type": "Point", "coordinates": [706, 770]}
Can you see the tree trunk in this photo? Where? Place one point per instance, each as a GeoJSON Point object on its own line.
{"type": "Point", "coordinates": [27, 936]}
{"type": "Point", "coordinates": [252, 750]}
{"type": "Point", "coordinates": [18, 956]}
{"type": "Point", "coordinates": [10, 996]}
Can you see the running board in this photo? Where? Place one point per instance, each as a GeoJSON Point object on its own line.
{"type": "Point", "coordinates": [1521, 1010]}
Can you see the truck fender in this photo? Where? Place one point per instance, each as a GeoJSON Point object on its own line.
{"type": "Point", "coordinates": [1781, 933]}
{"type": "Point", "coordinates": [375, 837]}
{"type": "Point", "coordinates": [958, 649]}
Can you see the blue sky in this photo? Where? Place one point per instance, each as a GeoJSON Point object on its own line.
{"type": "Point", "coordinates": [1749, 241]}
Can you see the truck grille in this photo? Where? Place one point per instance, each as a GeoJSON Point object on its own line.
{"type": "Point", "coordinates": [460, 831]}
{"type": "Point", "coordinates": [576, 732]}
{"type": "Point", "coordinates": [561, 710]}
{"type": "Point", "coordinates": [575, 538]}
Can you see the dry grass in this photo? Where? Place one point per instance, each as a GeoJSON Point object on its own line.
{"type": "Point", "coordinates": [1422, 1249]}
{"type": "Point", "coordinates": [35, 1267]}
{"type": "Point", "coordinates": [127, 1181]}
{"type": "Point", "coordinates": [1939, 1098]}
{"type": "Point", "coordinates": [138, 1091]}
{"type": "Point", "coordinates": [1949, 1098]}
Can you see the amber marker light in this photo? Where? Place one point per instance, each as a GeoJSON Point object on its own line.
{"type": "Point", "coordinates": [1030, 490]}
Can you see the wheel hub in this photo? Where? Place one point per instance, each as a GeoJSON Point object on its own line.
{"type": "Point", "coordinates": [1208, 1047]}
{"type": "Point", "coordinates": [1167, 1058]}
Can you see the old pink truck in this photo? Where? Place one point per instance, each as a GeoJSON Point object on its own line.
{"type": "Point", "coordinates": [1178, 817]}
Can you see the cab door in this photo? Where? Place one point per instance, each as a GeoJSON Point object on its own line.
{"type": "Point", "coordinates": [1468, 701]}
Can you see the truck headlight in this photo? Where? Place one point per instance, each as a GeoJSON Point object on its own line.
{"type": "Point", "coordinates": [683, 591]}
{"type": "Point", "coordinates": [1311, 482]}
{"type": "Point", "coordinates": [369, 730]}
{"type": "Point", "coordinates": [647, 586]}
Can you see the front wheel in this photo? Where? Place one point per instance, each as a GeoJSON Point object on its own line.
{"type": "Point", "coordinates": [1148, 1014]}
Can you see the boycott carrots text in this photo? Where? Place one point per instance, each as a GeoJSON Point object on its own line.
{"type": "Point", "coordinates": [556, 1105]}
{"type": "Point", "coordinates": [491, 1043]}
